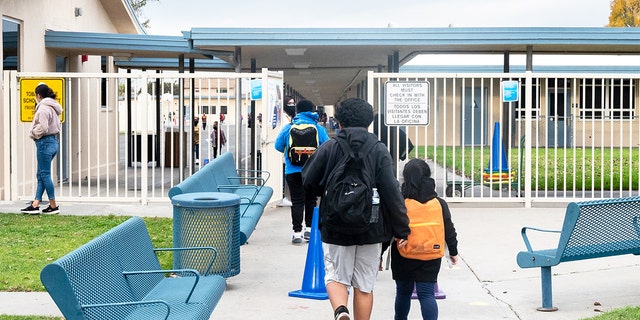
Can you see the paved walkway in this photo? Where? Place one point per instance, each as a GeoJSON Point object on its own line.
{"type": "Point", "coordinates": [486, 284]}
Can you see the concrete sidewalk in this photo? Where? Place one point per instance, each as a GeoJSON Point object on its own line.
{"type": "Point", "coordinates": [486, 284]}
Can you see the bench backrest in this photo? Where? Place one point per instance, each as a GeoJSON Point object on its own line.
{"type": "Point", "coordinates": [209, 177]}
{"type": "Point", "coordinates": [93, 273]}
{"type": "Point", "coordinates": [136, 252]}
{"type": "Point", "coordinates": [600, 228]}
{"type": "Point", "coordinates": [228, 165]}
{"type": "Point", "coordinates": [203, 180]}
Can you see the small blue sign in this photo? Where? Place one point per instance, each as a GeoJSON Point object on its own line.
{"type": "Point", "coordinates": [510, 91]}
{"type": "Point", "coordinates": [256, 89]}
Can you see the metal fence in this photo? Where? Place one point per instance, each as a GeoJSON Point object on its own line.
{"type": "Point", "coordinates": [132, 136]}
{"type": "Point", "coordinates": [568, 136]}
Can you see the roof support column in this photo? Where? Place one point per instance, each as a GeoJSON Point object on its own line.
{"type": "Point", "coordinates": [192, 100]}
{"type": "Point", "coordinates": [181, 140]}
{"type": "Point", "coordinates": [396, 61]}
{"type": "Point", "coordinates": [528, 127]}
{"type": "Point", "coordinates": [252, 120]}
{"type": "Point", "coordinates": [237, 59]}
{"type": "Point", "coordinates": [506, 108]}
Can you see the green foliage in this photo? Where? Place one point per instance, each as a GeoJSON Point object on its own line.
{"type": "Point", "coordinates": [137, 6]}
{"type": "Point", "coordinates": [553, 168]}
{"type": "Point", "coordinates": [627, 313]}
{"type": "Point", "coordinates": [7, 317]}
{"type": "Point", "coordinates": [624, 13]}
{"type": "Point", "coordinates": [28, 243]}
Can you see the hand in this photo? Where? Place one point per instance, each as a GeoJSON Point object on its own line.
{"type": "Point", "coordinates": [453, 259]}
{"type": "Point", "coordinates": [401, 242]}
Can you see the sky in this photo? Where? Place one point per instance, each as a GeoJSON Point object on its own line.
{"type": "Point", "coordinates": [170, 17]}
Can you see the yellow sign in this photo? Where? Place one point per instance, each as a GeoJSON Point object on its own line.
{"type": "Point", "coordinates": [28, 96]}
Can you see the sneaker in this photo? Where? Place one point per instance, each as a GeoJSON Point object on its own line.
{"type": "Point", "coordinates": [50, 210]}
{"type": "Point", "coordinates": [284, 203]}
{"type": "Point", "coordinates": [31, 210]}
{"type": "Point", "coordinates": [342, 313]}
{"type": "Point", "coordinates": [307, 234]}
{"type": "Point", "coordinates": [297, 238]}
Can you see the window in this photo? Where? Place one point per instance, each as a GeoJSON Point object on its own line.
{"type": "Point", "coordinates": [607, 99]}
{"type": "Point", "coordinates": [223, 109]}
{"type": "Point", "coordinates": [10, 44]}
{"type": "Point", "coordinates": [535, 103]}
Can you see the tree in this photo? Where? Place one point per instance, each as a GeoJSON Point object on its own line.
{"type": "Point", "coordinates": [137, 6]}
{"type": "Point", "coordinates": [624, 13]}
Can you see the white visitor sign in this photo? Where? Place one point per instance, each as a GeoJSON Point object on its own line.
{"type": "Point", "coordinates": [407, 103]}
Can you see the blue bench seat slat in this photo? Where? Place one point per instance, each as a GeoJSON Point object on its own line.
{"type": "Point", "coordinates": [173, 290]}
{"type": "Point", "coordinates": [179, 312]}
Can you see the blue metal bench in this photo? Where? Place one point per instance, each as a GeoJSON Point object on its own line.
{"type": "Point", "coordinates": [117, 276]}
{"type": "Point", "coordinates": [221, 175]}
{"type": "Point", "coordinates": [591, 229]}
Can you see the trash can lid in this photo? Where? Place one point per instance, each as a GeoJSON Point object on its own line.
{"type": "Point", "coordinates": [205, 199]}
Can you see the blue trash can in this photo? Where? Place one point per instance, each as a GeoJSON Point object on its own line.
{"type": "Point", "coordinates": [207, 219]}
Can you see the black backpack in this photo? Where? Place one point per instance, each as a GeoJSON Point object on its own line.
{"type": "Point", "coordinates": [303, 141]}
{"type": "Point", "coordinates": [346, 203]}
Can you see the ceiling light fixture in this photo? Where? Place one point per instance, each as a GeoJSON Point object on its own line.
{"type": "Point", "coordinates": [301, 65]}
{"type": "Point", "coordinates": [295, 51]}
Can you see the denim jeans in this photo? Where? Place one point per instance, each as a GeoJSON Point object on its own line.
{"type": "Point", "coordinates": [46, 149]}
{"type": "Point", "coordinates": [426, 296]}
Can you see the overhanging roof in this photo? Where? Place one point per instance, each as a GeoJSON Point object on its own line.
{"type": "Point", "coordinates": [125, 45]}
{"type": "Point", "coordinates": [173, 64]}
{"type": "Point", "coordinates": [332, 61]}
{"type": "Point", "coordinates": [325, 65]}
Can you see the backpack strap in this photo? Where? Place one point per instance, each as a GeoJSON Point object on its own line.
{"type": "Point", "coordinates": [364, 150]}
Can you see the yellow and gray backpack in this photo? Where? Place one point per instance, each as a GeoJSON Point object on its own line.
{"type": "Point", "coordinates": [303, 142]}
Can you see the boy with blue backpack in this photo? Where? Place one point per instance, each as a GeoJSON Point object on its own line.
{"type": "Point", "coordinates": [298, 140]}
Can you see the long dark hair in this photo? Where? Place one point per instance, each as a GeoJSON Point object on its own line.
{"type": "Point", "coordinates": [44, 91]}
{"type": "Point", "coordinates": [418, 184]}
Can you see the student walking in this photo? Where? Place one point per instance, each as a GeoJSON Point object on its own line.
{"type": "Point", "coordinates": [351, 258]}
{"type": "Point", "coordinates": [304, 134]}
{"type": "Point", "coordinates": [420, 271]}
{"type": "Point", "coordinates": [218, 139]}
{"type": "Point", "coordinates": [44, 132]}
{"type": "Point", "coordinates": [196, 140]}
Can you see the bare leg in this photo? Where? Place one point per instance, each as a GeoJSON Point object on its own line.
{"type": "Point", "coordinates": [338, 294]}
{"type": "Point", "coordinates": [362, 304]}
